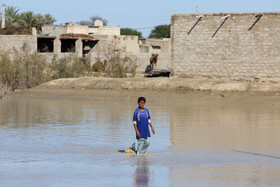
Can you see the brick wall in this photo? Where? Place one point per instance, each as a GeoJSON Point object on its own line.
{"type": "Point", "coordinates": [50, 56]}
{"type": "Point", "coordinates": [234, 52]}
{"type": "Point", "coordinates": [8, 42]}
{"type": "Point", "coordinates": [143, 60]}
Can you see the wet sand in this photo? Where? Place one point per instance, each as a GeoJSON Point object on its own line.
{"type": "Point", "coordinates": [167, 85]}
{"type": "Point", "coordinates": [74, 137]}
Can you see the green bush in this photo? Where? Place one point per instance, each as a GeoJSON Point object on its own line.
{"type": "Point", "coordinates": [118, 63]}
{"type": "Point", "coordinates": [21, 69]}
{"type": "Point", "coordinates": [119, 67]}
{"type": "Point", "coordinates": [68, 66]}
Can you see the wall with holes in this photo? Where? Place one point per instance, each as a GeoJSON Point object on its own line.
{"type": "Point", "coordinates": [226, 46]}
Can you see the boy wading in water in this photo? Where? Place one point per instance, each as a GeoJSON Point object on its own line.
{"type": "Point", "coordinates": [141, 122]}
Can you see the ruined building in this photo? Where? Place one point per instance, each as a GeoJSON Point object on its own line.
{"type": "Point", "coordinates": [87, 41]}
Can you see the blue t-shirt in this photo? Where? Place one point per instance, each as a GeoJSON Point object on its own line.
{"type": "Point", "coordinates": [141, 118]}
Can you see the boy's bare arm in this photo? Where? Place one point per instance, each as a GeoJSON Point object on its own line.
{"type": "Point", "coordinates": [153, 130]}
{"type": "Point", "coordinates": [136, 130]}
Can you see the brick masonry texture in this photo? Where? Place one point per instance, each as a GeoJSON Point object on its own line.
{"type": "Point", "coordinates": [143, 60]}
{"type": "Point", "coordinates": [9, 42]}
{"type": "Point", "coordinates": [234, 53]}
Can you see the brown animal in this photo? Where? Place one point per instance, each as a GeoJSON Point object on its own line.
{"type": "Point", "coordinates": [153, 61]}
{"type": "Point", "coordinates": [98, 67]}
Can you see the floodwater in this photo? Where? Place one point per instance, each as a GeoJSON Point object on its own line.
{"type": "Point", "coordinates": [71, 138]}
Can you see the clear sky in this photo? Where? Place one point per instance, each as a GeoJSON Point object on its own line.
{"type": "Point", "coordinates": [142, 15]}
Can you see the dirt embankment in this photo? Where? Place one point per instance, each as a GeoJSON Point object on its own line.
{"type": "Point", "coordinates": [164, 84]}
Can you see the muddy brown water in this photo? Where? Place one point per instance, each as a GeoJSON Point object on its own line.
{"type": "Point", "coordinates": [75, 138]}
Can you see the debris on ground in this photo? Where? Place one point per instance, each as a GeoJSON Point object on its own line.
{"type": "Point", "coordinates": [84, 36]}
{"type": "Point", "coordinates": [12, 30]}
{"type": "Point", "coordinates": [131, 150]}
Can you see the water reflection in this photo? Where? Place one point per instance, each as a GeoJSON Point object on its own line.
{"type": "Point", "coordinates": [142, 171]}
{"type": "Point", "coordinates": [246, 126]}
{"type": "Point", "coordinates": [198, 141]}
{"type": "Point", "coordinates": [30, 113]}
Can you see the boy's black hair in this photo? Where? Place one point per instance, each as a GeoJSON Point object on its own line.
{"type": "Point", "coordinates": [141, 99]}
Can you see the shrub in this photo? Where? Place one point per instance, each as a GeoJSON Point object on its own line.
{"type": "Point", "coordinates": [21, 69]}
{"type": "Point", "coordinates": [68, 66]}
{"type": "Point", "coordinates": [117, 62]}
{"type": "Point", "coordinates": [119, 66]}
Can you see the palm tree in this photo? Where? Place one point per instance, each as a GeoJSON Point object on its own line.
{"type": "Point", "coordinates": [12, 16]}
{"type": "Point", "coordinates": [48, 19]}
{"type": "Point", "coordinates": [39, 21]}
{"type": "Point", "coordinates": [28, 19]}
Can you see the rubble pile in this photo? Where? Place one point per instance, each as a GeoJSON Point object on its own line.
{"type": "Point", "coordinates": [12, 30]}
{"type": "Point", "coordinates": [84, 36]}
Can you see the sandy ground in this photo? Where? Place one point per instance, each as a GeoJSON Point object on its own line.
{"type": "Point", "coordinates": [192, 97]}
{"type": "Point", "coordinates": [132, 86]}
{"type": "Point", "coordinates": [174, 85]}
{"type": "Point", "coordinates": [165, 84]}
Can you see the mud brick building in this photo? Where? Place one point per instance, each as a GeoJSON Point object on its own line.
{"type": "Point", "coordinates": [230, 46]}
